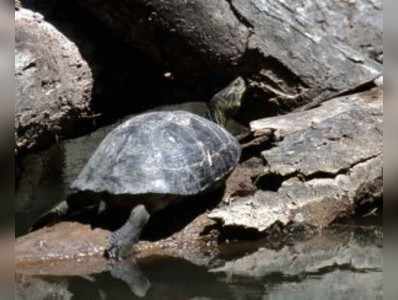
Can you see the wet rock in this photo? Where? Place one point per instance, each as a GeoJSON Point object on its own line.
{"type": "Point", "coordinates": [290, 59]}
{"type": "Point", "coordinates": [53, 83]}
{"type": "Point", "coordinates": [64, 241]}
{"type": "Point", "coordinates": [71, 248]}
{"type": "Point", "coordinates": [318, 171]}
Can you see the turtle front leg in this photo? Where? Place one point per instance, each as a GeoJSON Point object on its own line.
{"type": "Point", "coordinates": [121, 241]}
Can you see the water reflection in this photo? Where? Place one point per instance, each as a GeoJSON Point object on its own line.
{"type": "Point", "coordinates": [344, 262]}
{"type": "Point", "coordinates": [156, 278]}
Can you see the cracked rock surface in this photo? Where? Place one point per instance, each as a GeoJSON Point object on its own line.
{"type": "Point", "coordinates": [319, 172]}
{"type": "Point", "coordinates": [358, 23]}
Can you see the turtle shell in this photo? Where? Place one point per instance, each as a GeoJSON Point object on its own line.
{"type": "Point", "coordinates": [173, 153]}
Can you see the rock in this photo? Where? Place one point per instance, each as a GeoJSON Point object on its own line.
{"type": "Point", "coordinates": [53, 83]}
{"type": "Point", "coordinates": [290, 59]}
{"type": "Point", "coordinates": [318, 171]}
{"type": "Point", "coordinates": [71, 248]}
{"type": "Point", "coordinates": [358, 23]}
{"type": "Point", "coordinates": [61, 242]}
{"type": "Point", "coordinates": [282, 126]}
{"type": "Point", "coordinates": [328, 148]}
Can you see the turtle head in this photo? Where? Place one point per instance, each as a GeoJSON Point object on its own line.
{"type": "Point", "coordinates": [226, 103]}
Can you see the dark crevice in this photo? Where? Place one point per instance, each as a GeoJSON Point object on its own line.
{"type": "Point", "coordinates": [274, 88]}
{"type": "Point", "coordinates": [30, 66]}
{"type": "Point", "coordinates": [270, 182]}
{"type": "Point", "coordinates": [367, 86]}
{"type": "Point", "coordinates": [274, 181]}
{"type": "Point", "coordinates": [275, 237]}
{"type": "Point", "coordinates": [242, 19]}
{"type": "Point", "coordinates": [330, 175]}
{"type": "Point", "coordinates": [255, 149]}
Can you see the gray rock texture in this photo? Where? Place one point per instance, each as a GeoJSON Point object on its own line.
{"type": "Point", "coordinates": [358, 23]}
{"type": "Point", "coordinates": [290, 57]}
{"type": "Point", "coordinates": [53, 83]}
{"type": "Point", "coordinates": [320, 170]}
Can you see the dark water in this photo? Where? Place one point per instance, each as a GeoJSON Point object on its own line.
{"type": "Point", "coordinates": [344, 262]}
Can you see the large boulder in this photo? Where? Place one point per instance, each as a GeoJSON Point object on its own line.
{"type": "Point", "coordinates": [289, 58]}
{"type": "Point", "coordinates": [53, 83]}
{"type": "Point", "coordinates": [358, 23]}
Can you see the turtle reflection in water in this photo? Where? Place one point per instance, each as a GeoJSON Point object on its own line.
{"type": "Point", "coordinates": [155, 159]}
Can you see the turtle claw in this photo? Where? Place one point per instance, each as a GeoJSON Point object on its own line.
{"type": "Point", "coordinates": [115, 252]}
{"type": "Point", "coordinates": [112, 253]}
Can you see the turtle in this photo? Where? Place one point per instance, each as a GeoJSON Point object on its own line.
{"type": "Point", "coordinates": [154, 159]}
